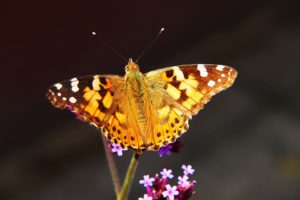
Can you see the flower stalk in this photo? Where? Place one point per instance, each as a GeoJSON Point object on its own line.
{"type": "Point", "coordinates": [112, 166]}
{"type": "Point", "coordinates": [129, 177]}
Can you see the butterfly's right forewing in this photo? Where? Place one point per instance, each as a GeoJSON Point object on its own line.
{"type": "Point", "coordinates": [91, 97]}
{"type": "Point", "coordinates": [99, 100]}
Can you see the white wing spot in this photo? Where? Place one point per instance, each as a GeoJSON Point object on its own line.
{"type": "Point", "coordinates": [72, 100]}
{"type": "Point", "coordinates": [211, 83]}
{"type": "Point", "coordinates": [223, 75]}
{"type": "Point", "coordinates": [219, 80]}
{"type": "Point", "coordinates": [59, 94]}
{"type": "Point", "coordinates": [75, 88]}
{"type": "Point", "coordinates": [178, 73]}
{"type": "Point", "coordinates": [64, 98]}
{"type": "Point", "coordinates": [58, 86]}
{"type": "Point", "coordinates": [74, 84]}
{"type": "Point", "coordinates": [202, 70]}
{"type": "Point", "coordinates": [96, 83]}
{"type": "Point", "coordinates": [220, 67]}
{"type": "Point", "coordinates": [74, 81]}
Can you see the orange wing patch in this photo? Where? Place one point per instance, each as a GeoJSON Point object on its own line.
{"type": "Point", "coordinates": [173, 123]}
{"type": "Point", "coordinates": [118, 132]}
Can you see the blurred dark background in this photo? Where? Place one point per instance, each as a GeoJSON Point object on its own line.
{"type": "Point", "coordinates": [244, 145]}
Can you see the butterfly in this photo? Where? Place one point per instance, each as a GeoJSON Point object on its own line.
{"type": "Point", "coordinates": [143, 111]}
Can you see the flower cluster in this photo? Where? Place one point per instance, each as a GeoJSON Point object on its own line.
{"type": "Point", "coordinates": [158, 187]}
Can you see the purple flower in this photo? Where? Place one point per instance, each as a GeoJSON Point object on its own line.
{"type": "Point", "coordinates": [170, 192]}
{"type": "Point", "coordinates": [183, 181]}
{"type": "Point", "coordinates": [187, 169]}
{"type": "Point", "coordinates": [166, 173]}
{"type": "Point", "coordinates": [117, 149]}
{"type": "Point", "coordinates": [147, 181]}
{"type": "Point", "coordinates": [146, 197]}
{"type": "Point", "coordinates": [165, 150]}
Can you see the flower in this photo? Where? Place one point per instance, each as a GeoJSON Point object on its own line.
{"type": "Point", "coordinates": [117, 149]}
{"type": "Point", "coordinates": [183, 181]}
{"type": "Point", "coordinates": [146, 197]}
{"type": "Point", "coordinates": [187, 169]}
{"type": "Point", "coordinates": [166, 173]}
{"type": "Point", "coordinates": [165, 150]}
{"type": "Point", "coordinates": [147, 181]}
{"type": "Point", "coordinates": [170, 192]}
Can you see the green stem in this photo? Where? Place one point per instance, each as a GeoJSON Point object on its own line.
{"type": "Point", "coordinates": [112, 166]}
{"type": "Point", "coordinates": [129, 176]}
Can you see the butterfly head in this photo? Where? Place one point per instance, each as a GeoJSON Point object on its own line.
{"type": "Point", "coordinates": [132, 71]}
{"type": "Point", "coordinates": [131, 66]}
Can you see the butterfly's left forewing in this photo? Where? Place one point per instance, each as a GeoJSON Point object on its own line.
{"type": "Point", "coordinates": [191, 86]}
{"type": "Point", "coordinates": [181, 91]}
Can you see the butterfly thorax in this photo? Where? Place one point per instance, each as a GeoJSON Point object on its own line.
{"type": "Point", "coordinates": [138, 105]}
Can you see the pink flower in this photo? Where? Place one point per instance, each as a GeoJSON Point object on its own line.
{"type": "Point", "coordinates": [117, 149]}
{"type": "Point", "coordinates": [170, 192]}
{"type": "Point", "coordinates": [146, 197]}
{"type": "Point", "coordinates": [187, 169]}
{"type": "Point", "coordinates": [166, 173]}
{"type": "Point", "coordinates": [183, 181]}
{"type": "Point", "coordinates": [147, 181]}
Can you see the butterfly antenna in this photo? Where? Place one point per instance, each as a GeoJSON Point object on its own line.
{"type": "Point", "coordinates": [101, 41]}
{"type": "Point", "coordinates": [150, 45]}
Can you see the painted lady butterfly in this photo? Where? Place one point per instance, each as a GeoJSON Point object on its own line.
{"type": "Point", "coordinates": [143, 111]}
